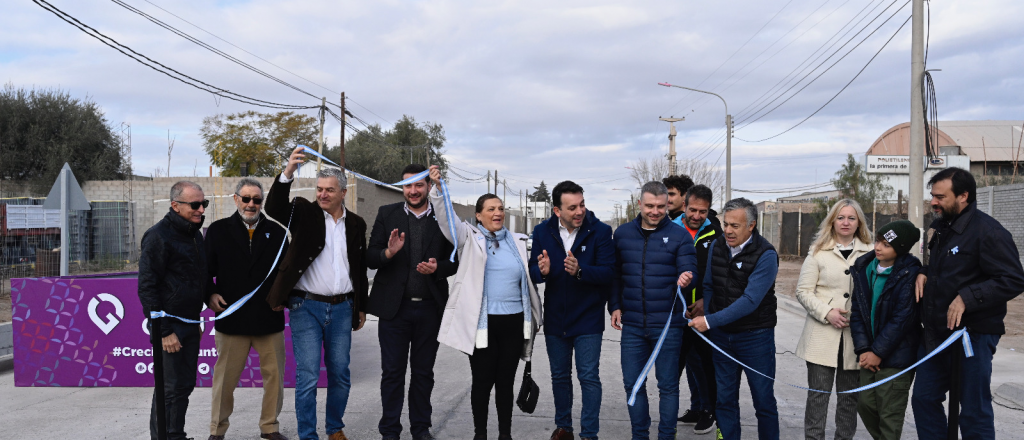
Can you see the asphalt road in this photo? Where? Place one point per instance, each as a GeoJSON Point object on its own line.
{"type": "Point", "coordinates": [123, 413]}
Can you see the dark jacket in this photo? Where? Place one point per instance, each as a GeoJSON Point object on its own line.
{"type": "Point", "coordinates": [743, 296]}
{"type": "Point", "coordinates": [706, 235]}
{"type": "Point", "coordinates": [309, 234]}
{"type": "Point", "coordinates": [647, 269]}
{"type": "Point", "coordinates": [239, 265]}
{"type": "Point", "coordinates": [392, 275]}
{"type": "Point", "coordinates": [574, 306]}
{"type": "Point", "coordinates": [896, 335]}
{"type": "Point", "coordinates": [172, 269]}
{"type": "Point", "coordinates": [975, 258]}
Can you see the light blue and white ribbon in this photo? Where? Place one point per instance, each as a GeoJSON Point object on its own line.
{"type": "Point", "coordinates": [959, 334]}
{"type": "Point", "coordinates": [449, 209]}
{"type": "Point", "coordinates": [233, 307]}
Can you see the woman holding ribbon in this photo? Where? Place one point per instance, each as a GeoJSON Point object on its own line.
{"type": "Point", "coordinates": [824, 290]}
{"type": "Point", "coordinates": [493, 312]}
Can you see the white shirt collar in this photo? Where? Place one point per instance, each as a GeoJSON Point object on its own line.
{"type": "Point", "coordinates": [430, 208]}
{"type": "Point", "coordinates": [735, 250]}
{"type": "Point", "coordinates": [328, 216]}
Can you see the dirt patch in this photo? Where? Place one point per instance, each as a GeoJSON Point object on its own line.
{"type": "Point", "coordinates": [789, 273]}
{"type": "Point", "coordinates": [5, 302]}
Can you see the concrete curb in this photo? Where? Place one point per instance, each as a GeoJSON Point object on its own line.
{"type": "Point", "coordinates": [6, 363]}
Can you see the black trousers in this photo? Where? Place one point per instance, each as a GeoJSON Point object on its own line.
{"type": "Point", "coordinates": [495, 367]}
{"type": "Point", "coordinates": [692, 341]}
{"type": "Point", "coordinates": [413, 331]}
{"type": "Point", "coordinates": [179, 379]}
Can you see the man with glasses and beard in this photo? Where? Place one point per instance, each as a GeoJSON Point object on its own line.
{"type": "Point", "coordinates": [409, 294]}
{"type": "Point", "coordinates": [172, 279]}
{"type": "Point", "coordinates": [973, 270]}
{"type": "Point", "coordinates": [240, 254]}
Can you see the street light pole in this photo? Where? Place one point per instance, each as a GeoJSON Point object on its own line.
{"type": "Point", "coordinates": [728, 138]}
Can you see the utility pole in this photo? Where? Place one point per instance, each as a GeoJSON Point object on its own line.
{"type": "Point", "coordinates": [728, 137]}
{"type": "Point", "coordinates": [671, 142]}
{"type": "Point", "coordinates": [341, 146]}
{"type": "Point", "coordinates": [488, 181]}
{"type": "Point", "coordinates": [496, 185]}
{"type": "Point", "coordinates": [916, 196]}
{"type": "Point", "coordinates": [504, 189]}
{"type": "Point", "coordinates": [320, 146]}
{"type": "Point", "coordinates": [170, 148]}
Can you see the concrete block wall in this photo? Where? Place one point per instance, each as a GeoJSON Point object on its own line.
{"type": "Point", "coordinates": [1006, 204]}
{"type": "Point", "coordinates": [6, 339]}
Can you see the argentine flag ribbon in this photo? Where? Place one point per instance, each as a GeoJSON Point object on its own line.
{"type": "Point", "coordinates": [444, 191]}
{"type": "Point", "coordinates": [961, 334]}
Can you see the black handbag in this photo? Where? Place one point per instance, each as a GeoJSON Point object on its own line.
{"type": "Point", "coordinates": [528, 391]}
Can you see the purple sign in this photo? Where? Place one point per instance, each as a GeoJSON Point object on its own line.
{"type": "Point", "coordinates": [91, 332]}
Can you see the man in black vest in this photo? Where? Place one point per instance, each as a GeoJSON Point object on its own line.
{"type": "Point", "coordinates": [240, 253]}
{"type": "Point", "coordinates": [409, 294]}
{"type": "Point", "coordinates": [739, 300]}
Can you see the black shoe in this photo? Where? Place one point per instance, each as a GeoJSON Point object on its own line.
{"type": "Point", "coordinates": [706, 423]}
{"type": "Point", "coordinates": [690, 417]}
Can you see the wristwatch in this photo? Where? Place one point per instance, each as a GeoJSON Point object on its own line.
{"type": "Point", "coordinates": [579, 273]}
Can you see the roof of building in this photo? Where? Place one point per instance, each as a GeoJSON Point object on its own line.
{"type": "Point", "coordinates": [997, 141]}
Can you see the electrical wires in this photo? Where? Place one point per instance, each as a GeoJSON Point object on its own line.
{"type": "Point", "coordinates": [152, 64]}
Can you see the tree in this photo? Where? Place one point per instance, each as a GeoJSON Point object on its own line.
{"type": "Point", "coordinates": [382, 154]}
{"type": "Point", "coordinates": [540, 193]}
{"type": "Point", "coordinates": [656, 168]}
{"type": "Point", "coordinates": [262, 140]}
{"type": "Point", "coordinates": [853, 182]}
{"type": "Point", "coordinates": [40, 130]}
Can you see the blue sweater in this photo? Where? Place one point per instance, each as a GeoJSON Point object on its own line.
{"type": "Point", "coordinates": [502, 276]}
{"type": "Point", "coordinates": [757, 286]}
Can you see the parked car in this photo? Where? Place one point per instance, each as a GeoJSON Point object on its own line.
{"type": "Point", "coordinates": [529, 242]}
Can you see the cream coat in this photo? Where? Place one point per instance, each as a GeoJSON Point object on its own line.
{"type": "Point", "coordinates": [825, 283]}
{"type": "Point", "coordinates": [462, 312]}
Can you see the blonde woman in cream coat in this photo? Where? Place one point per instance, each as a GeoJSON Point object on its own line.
{"type": "Point", "coordinates": [826, 344]}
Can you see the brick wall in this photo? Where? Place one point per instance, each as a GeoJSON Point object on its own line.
{"type": "Point", "coordinates": [1005, 204]}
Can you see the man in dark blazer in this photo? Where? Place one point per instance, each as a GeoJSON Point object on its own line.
{"type": "Point", "coordinates": [409, 294]}
{"type": "Point", "coordinates": [323, 282]}
{"type": "Point", "coordinates": [240, 255]}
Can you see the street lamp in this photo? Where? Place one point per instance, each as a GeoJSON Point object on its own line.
{"type": "Point", "coordinates": [728, 138]}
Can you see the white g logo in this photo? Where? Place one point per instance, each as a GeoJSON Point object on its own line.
{"type": "Point", "coordinates": [111, 321]}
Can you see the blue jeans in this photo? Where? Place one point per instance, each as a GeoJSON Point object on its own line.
{"type": "Point", "coordinates": [756, 348]}
{"type": "Point", "coordinates": [588, 358]}
{"type": "Point", "coordinates": [317, 325]}
{"type": "Point", "coordinates": [977, 421]}
{"type": "Point", "coordinates": [636, 348]}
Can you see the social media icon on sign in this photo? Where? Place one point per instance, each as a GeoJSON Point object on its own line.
{"type": "Point", "coordinates": [140, 368]}
{"type": "Point", "coordinates": [204, 368]}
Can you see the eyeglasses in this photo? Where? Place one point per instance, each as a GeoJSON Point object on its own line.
{"type": "Point", "coordinates": [247, 199]}
{"type": "Point", "coordinates": [196, 205]}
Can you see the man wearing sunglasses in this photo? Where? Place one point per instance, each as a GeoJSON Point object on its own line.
{"type": "Point", "coordinates": [240, 254]}
{"type": "Point", "coordinates": [323, 283]}
{"type": "Point", "coordinates": [172, 278]}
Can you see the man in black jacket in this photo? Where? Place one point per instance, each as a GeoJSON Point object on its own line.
{"type": "Point", "coordinates": [240, 253]}
{"type": "Point", "coordinates": [973, 270]}
{"type": "Point", "coordinates": [409, 294]}
{"type": "Point", "coordinates": [172, 279]}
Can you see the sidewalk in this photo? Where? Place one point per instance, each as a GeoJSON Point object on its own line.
{"type": "Point", "coordinates": [123, 413]}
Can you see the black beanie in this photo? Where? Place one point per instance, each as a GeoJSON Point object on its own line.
{"type": "Point", "coordinates": [901, 235]}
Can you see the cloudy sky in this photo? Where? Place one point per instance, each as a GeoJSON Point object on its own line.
{"type": "Point", "coordinates": [539, 90]}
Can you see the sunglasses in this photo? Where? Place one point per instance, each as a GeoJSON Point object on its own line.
{"type": "Point", "coordinates": [247, 199]}
{"type": "Point", "coordinates": [195, 205]}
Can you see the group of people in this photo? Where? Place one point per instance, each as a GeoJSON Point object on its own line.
{"type": "Point", "coordinates": [678, 268]}
{"type": "Point", "coordinates": [874, 310]}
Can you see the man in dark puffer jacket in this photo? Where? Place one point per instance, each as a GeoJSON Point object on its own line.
{"type": "Point", "coordinates": [652, 255]}
{"type": "Point", "coordinates": [172, 278]}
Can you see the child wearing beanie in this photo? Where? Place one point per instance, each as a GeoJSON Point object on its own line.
{"type": "Point", "coordinates": [885, 324]}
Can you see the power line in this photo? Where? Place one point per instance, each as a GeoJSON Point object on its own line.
{"type": "Point", "coordinates": [840, 90]}
{"type": "Point", "coordinates": [210, 48]}
{"type": "Point", "coordinates": [745, 123]}
{"type": "Point", "coordinates": [241, 49]}
{"type": "Point", "coordinates": [149, 62]}
{"type": "Point", "coordinates": [807, 62]}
